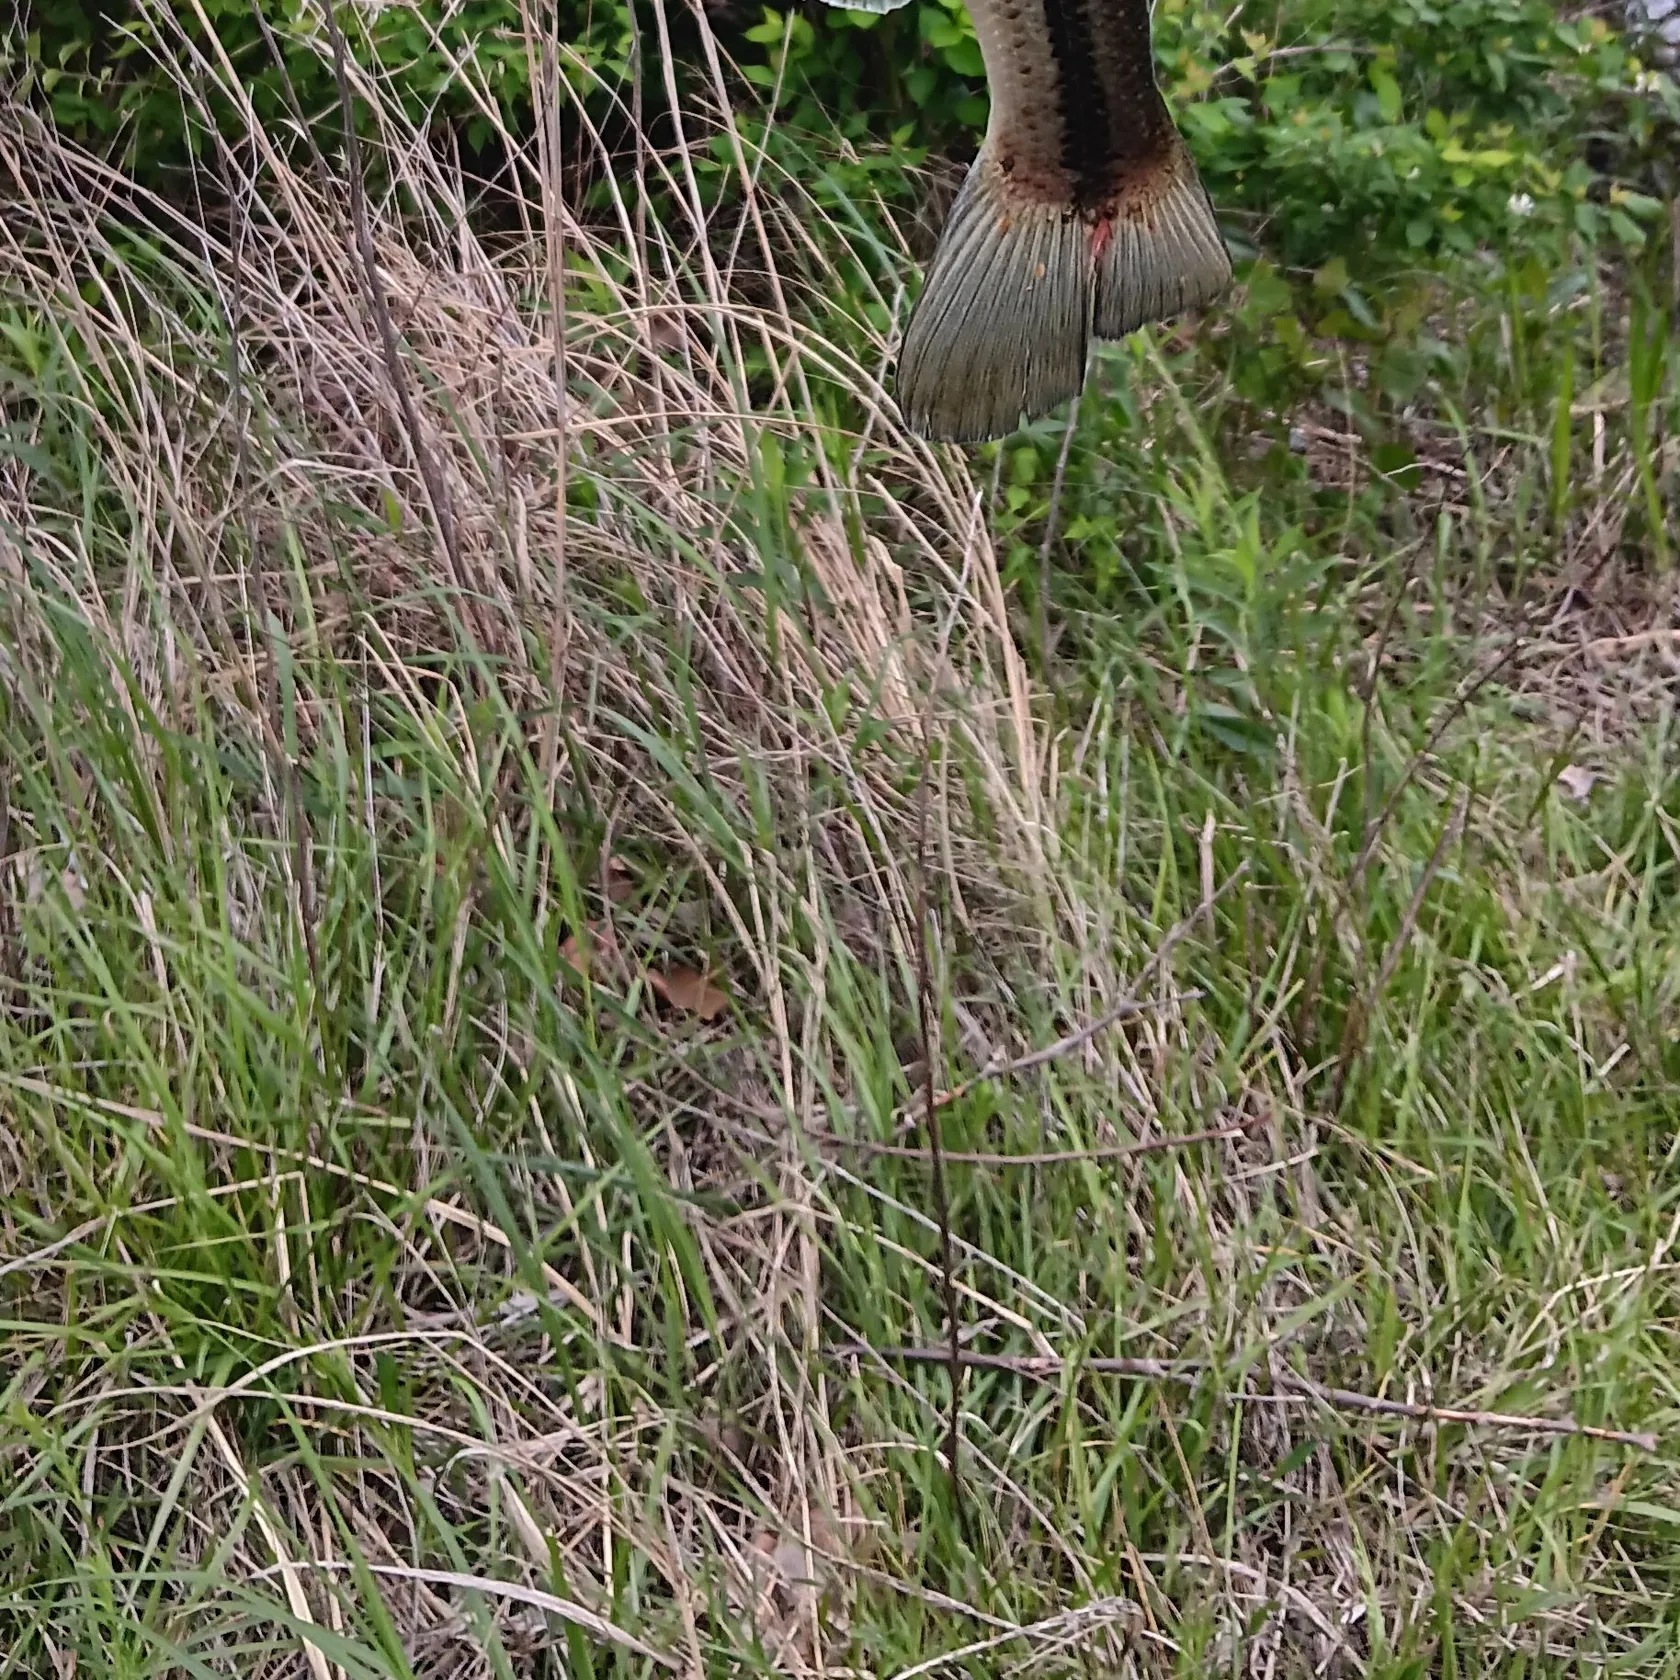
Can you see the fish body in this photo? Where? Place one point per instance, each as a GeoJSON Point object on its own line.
{"type": "Point", "coordinates": [1083, 217]}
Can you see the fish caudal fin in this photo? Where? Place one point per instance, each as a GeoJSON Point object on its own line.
{"type": "Point", "coordinates": [1018, 288]}
{"type": "Point", "coordinates": [1162, 253]}
{"type": "Point", "coordinates": [1004, 321]}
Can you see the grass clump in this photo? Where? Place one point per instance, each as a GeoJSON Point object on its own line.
{"type": "Point", "coordinates": [489, 787]}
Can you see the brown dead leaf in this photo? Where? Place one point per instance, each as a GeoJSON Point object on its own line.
{"type": "Point", "coordinates": [788, 1585]}
{"type": "Point", "coordinates": [588, 948]}
{"type": "Point", "coordinates": [618, 878]}
{"type": "Point", "coordinates": [789, 1558]}
{"type": "Point", "coordinates": [684, 989]}
{"type": "Point", "coordinates": [1577, 781]}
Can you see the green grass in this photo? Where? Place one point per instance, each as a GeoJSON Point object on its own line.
{"type": "Point", "coordinates": [390, 1290]}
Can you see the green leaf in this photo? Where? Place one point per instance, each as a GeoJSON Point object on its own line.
{"type": "Point", "coordinates": [1331, 280]}
{"type": "Point", "coordinates": [937, 28]}
{"type": "Point", "coordinates": [769, 31]}
{"type": "Point", "coordinates": [1268, 292]}
{"type": "Point", "coordinates": [1387, 91]}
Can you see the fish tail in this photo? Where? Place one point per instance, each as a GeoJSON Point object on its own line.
{"type": "Point", "coordinates": [1004, 321]}
{"type": "Point", "coordinates": [1162, 253]}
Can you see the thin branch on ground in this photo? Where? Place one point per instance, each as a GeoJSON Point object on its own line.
{"type": "Point", "coordinates": [1028, 1365]}
{"type": "Point", "coordinates": [431, 476]}
{"type": "Point", "coordinates": [1347, 1400]}
{"type": "Point", "coordinates": [941, 1196]}
{"type": "Point", "coordinates": [1047, 1157]}
{"type": "Point", "coordinates": [1127, 1006]}
{"type": "Point", "coordinates": [1298, 1390]}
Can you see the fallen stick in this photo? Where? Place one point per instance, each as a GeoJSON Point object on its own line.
{"type": "Point", "coordinates": [1298, 1390]}
{"type": "Point", "coordinates": [1043, 1157]}
{"type": "Point", "coordinates": [1028, 1364]}
{"type": "Point", "coordinates": [1123, 1010]}
{"type": "Point", "coordinates": [1347, 1399]}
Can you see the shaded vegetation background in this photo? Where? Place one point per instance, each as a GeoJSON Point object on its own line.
{"type": "Point", "coordinates": [1357, 153]}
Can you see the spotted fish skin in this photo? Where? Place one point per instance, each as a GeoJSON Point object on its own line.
{"type": "Point", "coordinates": [1083, 217]}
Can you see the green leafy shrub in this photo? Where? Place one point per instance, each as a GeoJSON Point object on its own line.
{"type": "Point", "coordinates": [97, 73]}
{"type": "Point", "coordinates": [1383, 135]}
{"type": "Point", "coordinates": [1404, 131]}
{"type": "Point", "coordinates": [1372, 165]}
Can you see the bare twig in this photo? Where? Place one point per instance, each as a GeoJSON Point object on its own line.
{"type": "Point", "coordinates": [941, 1198]}
{"type": "Point", "coordinates": [1028, 1365]}
{"type": "Point", "coordinates": [1065, 1629]}
{"type": "Point", "coordinates": [1297, 1390]}
{"type": "Point", "coordinates": [1046, 1157]}
{"type": "Point", "coordinates": [436, 490]}
{"type": "Point", "coordinates": [544, 69]}
{"type": "Point", "coordinates": [1177, 932]}
{"type": "Point", "coordinates": [924, 1015]}
{"type": "Point", "coordinates": [1079, 1037]}
{"type": "Point", "coordinates": [7, 927]}
{"type": "Point", "coordinates": [1127, 1006]}
{"type": "Point", "coordinates": [563, 1608]}
{"type": "Point", "coordinates": [1347, 1400]}
{"type": "Point", "coordinates": [1063, 1046]}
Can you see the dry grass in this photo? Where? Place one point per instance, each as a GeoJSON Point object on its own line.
{"type": "Point", "coordinates": [391, 1289]}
